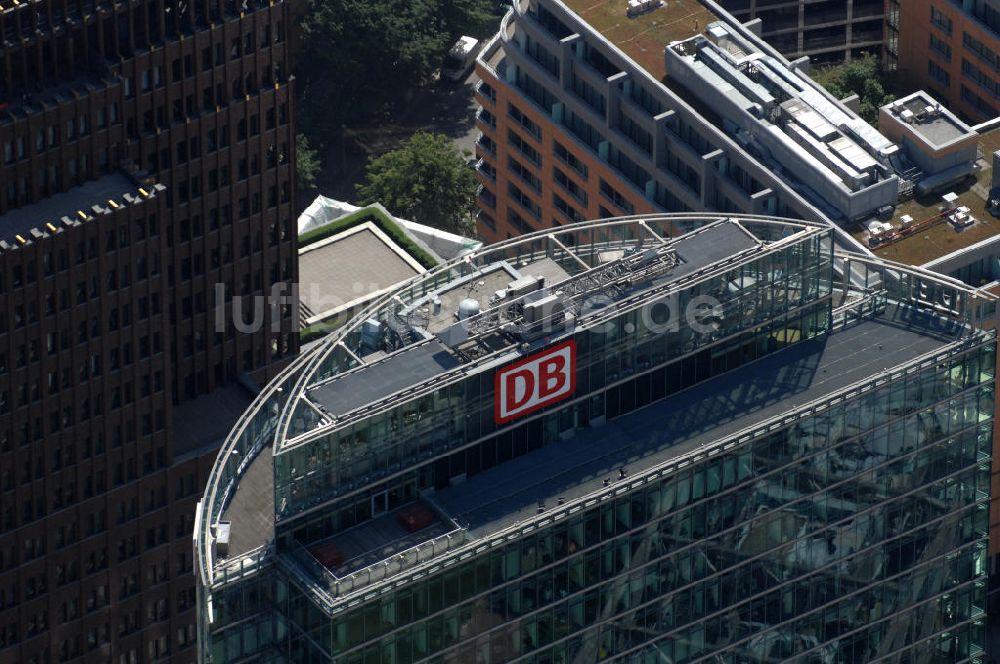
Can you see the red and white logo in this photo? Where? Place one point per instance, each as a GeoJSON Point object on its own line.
{"type": "Point", "coordinates": [535, 382]}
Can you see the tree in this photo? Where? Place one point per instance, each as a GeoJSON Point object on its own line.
{"type": "Point", "coordinates": [468, 17]}
{"type": "Point", "coordinates": [307, 164]}
{"type": "Point", "coordinates": [425, 180]}
{"type": "Point", "coordinates": [862, 77]}
{"type": "Point", "coordinates": [358, 58]}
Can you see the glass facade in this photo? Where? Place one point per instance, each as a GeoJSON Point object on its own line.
{"type": "Point", "coordinates": [816, 540]}
{"type": "Point", "coordinates": [849, 529]}
{"type": "Point", "coordinates": [761, 305]}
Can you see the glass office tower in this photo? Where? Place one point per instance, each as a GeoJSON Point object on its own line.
{"type": "Point", "coordinates": [657, 439]}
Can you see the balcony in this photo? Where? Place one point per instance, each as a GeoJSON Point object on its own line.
{"type": "Point", "coordinates": [485, 92]}
{"type": "Point", "coordinates": [485, 169]}
{"type": "Point", "coordinates": [374, 551]}
{"type": "Point", "coordinates": [487, 145]}
{"type": "Point", "coordinates": [487, 197]}
{"type": "Point", "coordinates": [485, 119]}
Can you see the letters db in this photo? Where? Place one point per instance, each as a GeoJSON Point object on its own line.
{"type": "Point", "coordinates": [535, 382]}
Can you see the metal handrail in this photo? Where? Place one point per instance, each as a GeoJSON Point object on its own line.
{"type": "Point", "coordinates": [240, 564]}
{"type": "Point", "coordinates": [505, 32]}
{"type": "Point", "coordinates": [874, 298]}
{"type": "Point", "coordinates": [408, 558]}
{"type": "Point", "coordinates": [307, 364]}
{"type": "Point", "coordinates": [306, 378]}
{"type": "Point", "coordinates": [741, 437]}
{"type": "Point", "coordinates": [209, 509]}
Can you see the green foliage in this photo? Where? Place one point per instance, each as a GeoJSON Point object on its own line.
{"type": "Point", "coordinates": [358, 58]}
{"type": "Point", "coordinates": [307, 164]}
{"type": "Point", "coordinates": [380, 219]}
{"type": "Point", "coordinates": [320, 329]}
{"type": "Point", "coordinates": [468, 17]}
{"type": "Point", "coordinates": [425, 180]}
{"type": "Point", "coordinates": [862, 77]}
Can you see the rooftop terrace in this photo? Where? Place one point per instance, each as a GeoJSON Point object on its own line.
{"type": "Point", "coordinates": [789, 382]}
{"type": "Point", "coordinates": [509, 495]}
{"type": "Point", "coordinates": [659, 433]}
{"type": "Point", "coordinates": [643, 37]}
{"type": "Point", "coordinates": [371, 385]}
{"type": "Point", "coordinates": [938, 237]}
{"type": "Point", "coordinates": [351, 266]}
{"type": "Point", "coordinates": [251, 510]}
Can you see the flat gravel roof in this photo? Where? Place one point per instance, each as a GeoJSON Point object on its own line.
{"type": "Point", "coordinates": [348, 269]}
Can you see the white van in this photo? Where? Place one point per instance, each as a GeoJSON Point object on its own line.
{"type": "Point", "coordinates": [460, 59]}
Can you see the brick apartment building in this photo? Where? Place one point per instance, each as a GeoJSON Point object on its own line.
{"type": "Point", "coordinates": [951, 49]}
{"type": "Point", "coordinates": [576, 123]}
{"type": "Point", "coordinates": [147, 155]}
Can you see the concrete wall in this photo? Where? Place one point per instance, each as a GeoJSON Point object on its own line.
{"type": "Point", "coordinates": [796, 161]}
{"type": "Point", "coordinates": [929, 159]}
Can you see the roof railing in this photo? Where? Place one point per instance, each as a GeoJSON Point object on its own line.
{"type": "Point", "coordinates": [336, 586]}
{"type": "Point", "coordinates": [243, 565]}
{"type": "Point", "coordinates": [240, 448]}
{"type": "Point", "coordinates": [270, 409]}
{"type": "Point", "coordinates": [868, 304]}
{"type": "Point", "coordinates": [597, 316]}
{"type": "Point", "coordinates": [460, 551]}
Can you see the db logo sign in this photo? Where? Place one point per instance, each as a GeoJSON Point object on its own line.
{"type": "Point", "coordinates": [535, 382]}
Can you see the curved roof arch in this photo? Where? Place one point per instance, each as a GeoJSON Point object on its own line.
{"type": "Point", "coordinates": [269, 420]}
